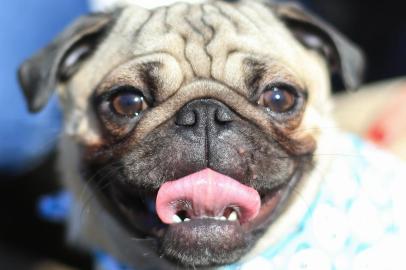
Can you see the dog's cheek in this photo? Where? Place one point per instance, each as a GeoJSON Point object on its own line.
{"type": "Point", "coordinates": [161, 156]}
{"type": "Point", "coordinates": [254, 158]}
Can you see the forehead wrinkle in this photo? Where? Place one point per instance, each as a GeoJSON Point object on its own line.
{"type": "Point", "coordinates": [180, 31]}
{"type": "Point", "coordinates": [278, 37]}
{"type": "Point", "coordinates": [154, 24]}
{"type": "Point", "coordinates": [148, 74]}
{"type": "Point", "coordinates": [274, 70]}
{"type": "Point", "coordinates": [193, 33]}
{"type": "Point", "coordinates": [158, 73]}
{"type": "Point", "coordinates": [254, 71]}
{"type": "Point", "coordinates": [228, 40]}
{"type": "Point", "coordinates": [248, 74]}
{"type": "Point", "coordinates": [242, 23]}
{"type": "Point", "coordinates": [196, 39]}
{"type": "Point", "coordinates": [222, 40]}
{"type": "Point", "coordinates": [193, 20]}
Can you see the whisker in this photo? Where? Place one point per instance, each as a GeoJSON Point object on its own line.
{"type": "Point", "coordinates": [297, 192]}
{"type": "Point", "coordinates": [98, 185]}
{"type": "Point", "coordinates": [319, 128]}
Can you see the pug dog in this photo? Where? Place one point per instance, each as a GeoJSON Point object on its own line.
{"type": "Point", "coordinates": [191, 131]}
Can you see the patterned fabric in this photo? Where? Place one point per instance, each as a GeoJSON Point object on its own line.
{"type": "Point", "coordinates": [356, 222]}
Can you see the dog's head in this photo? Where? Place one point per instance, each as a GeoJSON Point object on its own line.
{"type": "Point", "coordinates": [195, 122]}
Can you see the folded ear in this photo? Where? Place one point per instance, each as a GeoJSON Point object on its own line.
{"type": "Point", "coordinates": [343, 56]}
{"type": "Point", "coordinates": [39, 75]}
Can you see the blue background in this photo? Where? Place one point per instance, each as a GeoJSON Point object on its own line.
{"type": "Point", "coordinates": [25, 27]}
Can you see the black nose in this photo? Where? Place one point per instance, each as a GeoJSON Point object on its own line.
{"type": "Point", "coordinates": [204, 116]}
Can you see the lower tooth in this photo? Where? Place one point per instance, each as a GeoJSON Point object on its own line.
{"type": "Point", "coordinates": [233, 216]}
{"type": "Point", "coordinates": [223, 218]}
{"type": "Point", "coordinates": [186, 219]}
{"type": "Point", "coordinates": [176, 219]}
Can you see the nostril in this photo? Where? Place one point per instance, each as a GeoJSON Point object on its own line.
{"type": "Point", "coordinates": [186, 118]}
{"type": "Point", "coordinates": [204, 113]}
{"type": "Point", "coordinates": [223, 116]}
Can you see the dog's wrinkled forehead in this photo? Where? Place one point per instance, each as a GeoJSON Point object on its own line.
{"type": "Point", "coordinates": [196, 41]}
{"type": "Point", "coordinates": [183, 52]}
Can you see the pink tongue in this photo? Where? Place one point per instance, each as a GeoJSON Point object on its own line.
{"type": "Point", "coordinates": [206, 194]}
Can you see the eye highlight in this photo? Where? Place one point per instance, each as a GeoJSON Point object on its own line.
{"type": "Point", "coordinates": [127, 102]}
{"type": "Point", "coordinates": [278, 99]}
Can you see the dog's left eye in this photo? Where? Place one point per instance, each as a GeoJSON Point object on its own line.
{"type": "Point", "coordinates": [128, 102]}
{"type": "Point", "coordinates": [278, 99]}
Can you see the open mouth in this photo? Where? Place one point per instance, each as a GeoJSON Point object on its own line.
{"type": "Point", "coordinates": [209, 195]}
{"type": "Point", "coordinates": [202, 219]}
{"type": "Point", "coordinates": [204, 196]}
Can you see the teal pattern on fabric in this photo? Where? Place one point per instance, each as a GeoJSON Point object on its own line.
{"type": "Point", "coordinates": [357, 221]}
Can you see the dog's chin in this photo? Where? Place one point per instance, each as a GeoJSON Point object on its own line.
{"type": "Point", "coordinates": [202, 239]}
{"type": "Point", "coordinates": [209, 241]}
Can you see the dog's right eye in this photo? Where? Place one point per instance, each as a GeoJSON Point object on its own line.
{"type": "Point", "coordinates": [120, 108]}
{"type": "Point", "coordinates": [126, 101]}
{"type": "Point", "coordinates": [278, 99]}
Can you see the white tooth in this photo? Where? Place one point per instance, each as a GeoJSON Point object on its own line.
{"type": "Point", "coordinates": [233, 216]}
{"type": "Point", "coordinates": [176, 219]}
{"type": "Point", "coordinates": [186, 219]}
{"type": "Point", "coordinates": [223, 218]}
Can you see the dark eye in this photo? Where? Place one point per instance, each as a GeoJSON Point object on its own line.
{"type": "Point", "coordinates": [128, 102]}
{"type": "Point", "coordinates": [278, 99]}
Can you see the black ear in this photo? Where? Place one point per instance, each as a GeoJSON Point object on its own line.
{"type": "Point", "coordinates": [343, 56]}
{"type": "Point", "coordinates": [40, 74]}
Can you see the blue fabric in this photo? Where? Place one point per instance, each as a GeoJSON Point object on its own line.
{"type": "Point", "coordinates": [55, 207]}
{"type": "Point", "coordinates": [105, 262]}
{"type": "Point", "coordinates": [357, 220]}
{"type": "Point", "coordinates": [25, 27]}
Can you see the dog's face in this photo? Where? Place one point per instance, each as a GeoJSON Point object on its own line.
{"type": "Point", "coordinates": [195, 122]}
